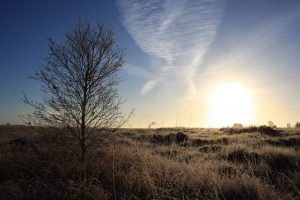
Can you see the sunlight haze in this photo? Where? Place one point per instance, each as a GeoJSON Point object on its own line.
{"type": "Point", "coordinates": [231, 103]}
{"type": "Point", "coordinates": [188, 63]}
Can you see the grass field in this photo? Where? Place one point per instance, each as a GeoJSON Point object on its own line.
{"type": "Point", "coordinates": [165, 163]}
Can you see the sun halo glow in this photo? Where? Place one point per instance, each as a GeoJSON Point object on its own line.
{"type": "Point", "coordinates": [231, 103]}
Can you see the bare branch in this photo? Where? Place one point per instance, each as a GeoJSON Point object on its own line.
{"type": "Point", "coordinates": [79, 84]}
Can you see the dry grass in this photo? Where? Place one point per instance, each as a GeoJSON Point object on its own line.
{"type": "Point", "coordinates": [150, 164]}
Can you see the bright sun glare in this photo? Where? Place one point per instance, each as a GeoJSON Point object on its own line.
{"type": "Point", "coordinates": [231, 103]}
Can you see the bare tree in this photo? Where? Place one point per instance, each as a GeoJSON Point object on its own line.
{"type": "Point", "coordinates": [79, 81]}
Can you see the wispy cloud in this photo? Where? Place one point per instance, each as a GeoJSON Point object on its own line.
{"type": "Point", "coordinates": [139, 71]}
{"type": "Point", "coordinates": [178, 31]}
{"type": "Point", "coordinates": [250, 46]}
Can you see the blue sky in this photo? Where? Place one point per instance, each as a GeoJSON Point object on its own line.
{"type": "Point", "coordinates": [177, 53]}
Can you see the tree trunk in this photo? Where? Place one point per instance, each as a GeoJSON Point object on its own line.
{"type": "Point", "coordinates": [83, 128]}
{"type": "Point", "coordinates": [83, 150]}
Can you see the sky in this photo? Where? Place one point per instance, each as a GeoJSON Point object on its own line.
{"type": "Point", "coordinates": [205, 63]}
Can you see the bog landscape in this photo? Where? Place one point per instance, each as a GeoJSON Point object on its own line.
{"type": "Point", "coordinates": [163, 163]}
{"type": "Point", "coordinates": [150, 99]}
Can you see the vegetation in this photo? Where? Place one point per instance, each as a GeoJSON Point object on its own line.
{"type": "Point", "coordinates": [79, 85]}
{"type": "Point", "coordinates": [36, 163]}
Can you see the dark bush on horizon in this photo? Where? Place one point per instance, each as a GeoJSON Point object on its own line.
{"type": "Point", "coordinates": [168, 139]}
{"type": "Point", "coordinates": [267, 130]}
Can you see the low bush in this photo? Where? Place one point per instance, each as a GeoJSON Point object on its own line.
{"type": "Point", "coordinates": [210, 148]}
{"type": "Point", "coordinates": [266, 130]}
{"type": "Point", "coordinates": [285, 142]}
{"type": "Point", "coordinates": [243, 156]}
{"type": "Point", "coordinates": [168, 139]}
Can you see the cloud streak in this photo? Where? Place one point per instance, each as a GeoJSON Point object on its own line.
{"type": "Point", "coordinates": [177, 31]}
{"type": "Point", "coordinates": [252, 44]}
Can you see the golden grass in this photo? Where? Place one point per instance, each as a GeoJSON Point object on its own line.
{"type": "Point", "coordinates": [210, 164]}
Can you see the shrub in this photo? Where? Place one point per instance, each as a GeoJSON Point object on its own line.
{"type": "Point", "coordinates": [161, 139]}
{"type": "Point", "coordinates": [181, 137]}
{"type": "Point", "coordinates": [243, 156]}
{"type": "Point", "coordinates": [268, 131]}
{"type": "Point", "coordinates": [280, 162]}
{"type": "Point", "coordinates": [200, 142]}
{"type": "Point", "coordinates": [210, 148]}
{"type": "Point", "coordinates": [178, 138]}
{"type": "Point", "coordinates": [285, 142]}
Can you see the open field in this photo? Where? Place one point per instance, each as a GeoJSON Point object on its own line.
{"type": "Point", "coordinates": [165, 163]}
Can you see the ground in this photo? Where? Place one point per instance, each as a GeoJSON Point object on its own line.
{"type": "Point", "coordinates": [165, 163]}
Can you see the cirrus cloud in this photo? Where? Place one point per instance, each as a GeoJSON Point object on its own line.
{"type": "Point", "coordinates": [178, 31]}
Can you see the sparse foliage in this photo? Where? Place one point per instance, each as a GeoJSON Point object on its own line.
{"type": "Point", "coordinates": [152, 124]}
{"type": "Point", "coordinates": [297, 125]}
{"type": "Point", "coordinates": [79, 84]}
{"type": "Point", "coordinates": [271, 124]}
{"type": "Point", "coordinates": [237, 125]}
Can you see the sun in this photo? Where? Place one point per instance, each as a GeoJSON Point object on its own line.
{"type": "Point", "coordinates": [230, 103]}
